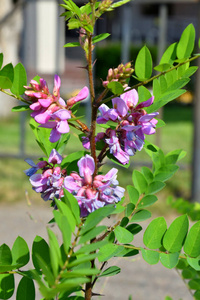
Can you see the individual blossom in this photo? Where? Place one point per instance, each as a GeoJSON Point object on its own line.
{"type": "Point", "coordinates": [49, 183]}
{"type": "Point", "coordinates": [93, 193]}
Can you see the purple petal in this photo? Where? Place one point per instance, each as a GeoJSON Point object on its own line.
{"type": "Point", "coordinates": [148, 117]}
{"type": "Point", "coordinates": [86, 164]}
{"type": "Point", "coordinates": [120, 106]}
{"type": "Point", "coordinates": [49, 124]}
{"type": "Point", "coordinates": [130, 97]}
{"type": "Point", "coordinates": [42, 118]}
{"type": "Point", "coordinates": [83, 94]}
{"type": "Point", "coordinates": [145, 103]}
{"type": "Point", "coordinates": [70, 184]}
{"type": "Point", "coordinates": [54, 135]}
{"type": "Point", "coordinates": [45, 102]}
{"type": "Point", "coordinates": [35, 106]}
{"type": "Point", "coordinates": [55, 157]}
{"type": "Point", "coordinates": [62, 127]}
{"type": "Point", "coordinates": [62, 114]}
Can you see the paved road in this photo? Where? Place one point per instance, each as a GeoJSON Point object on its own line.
{"type": "Point", "coordinates": [137, 278]}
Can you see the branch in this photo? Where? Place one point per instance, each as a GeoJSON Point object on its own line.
{"type": "Point", "coordinates": [149, 80]}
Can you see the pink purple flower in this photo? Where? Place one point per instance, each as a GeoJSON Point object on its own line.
{"type": "Point", "coordinates": [50, 110]}
{"type": "Point", "coordinates": [50, 182]}
{"type": "Point", "coordinates": [133, 123]}
{"type": "Point", "coordinates": [93, 193]}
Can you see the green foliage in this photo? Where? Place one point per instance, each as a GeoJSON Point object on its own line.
{"type": "Point", "coordinates": [143, 64]}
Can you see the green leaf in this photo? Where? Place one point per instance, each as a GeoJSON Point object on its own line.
{"type": "Point", "coordinates": [91, 247]}
{"type": "Point", "coordinates": [40, 248]}
{"type": "Point", "coordinates": [143, 94]}
{"type": "Point", "coordinates": [20, 108]}
{"type": "Point", "coordinates": [118, 4]}
{"type": "Point", "coordinates": [166, 172]}
{"type": "Point", "coordinates": [186, 43]}
{"type": "Point", "coordinates": [123, 235]}
{"type": "Point", "coordinates": [111, 271]}
{"type": "Point", "coordinates": [155, 187]}
{"type": "Point", "coordinates": [194, 263]}
{"type": "Point", "coordinates": [174, 156]}
{"type": "Point", "coordinates": [197, 295]}
{"type": "Point", "coordinates": [72, 203]}
{"type": "Point", "coordinates": [20, 252]}
{"type": "Point", "coordinates": [154, 233]}
{"type": "Point", "coordinates": [194, 284]}
{"type": "Point", "coordinates": [192, 242]}
{"type": "Point", "coordinates": [141, 215]}
{"type": "Point", "coordinates": [134, 228]}
{"type": "Point", "coordinates": [100, 37]}
{"type": "Point", "coordinates": [147, 200]}
{"type": "Point", "coordinates": [143, 64]}
{"type": "Point", "coordinates": [46, 270]}
{"type": "Point", "coordinates": [169, 55]}
{"type": "Point", "coordinates": [169, 260]}
{"type": "Point", "coordinates": [55, 254]}
{"type": "Point", "coordinates": [133, 194]}
{"type": "Point", "coordinates": [94, 232]}
{"type": "Point", "coordinates": [75, 44]}
{"type": "Point", "coordinates": [66, 211]}
{"type": "Point", "coordinates": [147, 173]}
{"type": "Point", "coordinates": [20, 79]}
{"type": "Point", "coordinates": [129, 209]}
{"type": "Point", "coordinates": [80, 272]}
{"type": "Point", "coordinates": [139, 181]}
{"type": "Point", "coordinates": [150, 256]}
{"type": "Point", "coordinates": [115, 87]}
{"type": "Point", "coordinates": [108, 251]}
{"type": "Point", "coordinates": [82, 259]}
{"type": "Point", "coordinates": [6, 77]}
{"type": "Point", "coordinates": [1, 60]}
{"type": "Point", "coordinates": [165, 98]}
{"type": "Point", "coordinates": [5, 255]}
{"type": "Point", "coordinates": [96, 217]}
{"type": "Point", "coordinates": [7, 286]}
{"type": "Point", "coordinates": [66, 233]}
{"type": "Point", "coordinates": [26, 289]}
{"type": "Point", "coordinates": [176, 233]}
{"type": "Point", "coordinates": [162, 67]}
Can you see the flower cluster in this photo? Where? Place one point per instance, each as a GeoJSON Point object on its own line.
{"type": "Point", "coordinates": [132, 123]}
{"type": "Point", "coordinates": [50, 182]}
{"type": "Point", "coordinates": [91, 193]}
{"type": "Point", "coordinates": [50, 110]}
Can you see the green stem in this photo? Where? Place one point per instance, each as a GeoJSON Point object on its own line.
{"type": "Point", "coordinates": [14, 96]}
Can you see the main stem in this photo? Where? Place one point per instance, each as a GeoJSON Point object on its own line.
{"type": "Point", "coordinates": [93, 107]}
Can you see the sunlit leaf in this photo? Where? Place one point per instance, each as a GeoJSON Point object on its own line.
{"type": "Point", "coordinates": [186, 43]}
{"type": "Point", "coordinates": [169, 260]}
{"type": "Point", "coordinates": [154, 233]}
{"type": "Point", "coordinates": [192, 242]}
{"type": "Point", "coordinates": [174, 237]}
{"type": "Point", "coordinates": [143, 64]}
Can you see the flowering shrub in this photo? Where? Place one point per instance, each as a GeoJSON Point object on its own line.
{"type": "Point", "coordinates": [80, 193]}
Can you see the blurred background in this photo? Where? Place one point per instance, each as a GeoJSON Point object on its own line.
{"type": "Point", "coordinates": [32, 32]}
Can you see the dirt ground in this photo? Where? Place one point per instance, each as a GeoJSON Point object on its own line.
{"type": "Point", "coordinates": [137, 278]}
